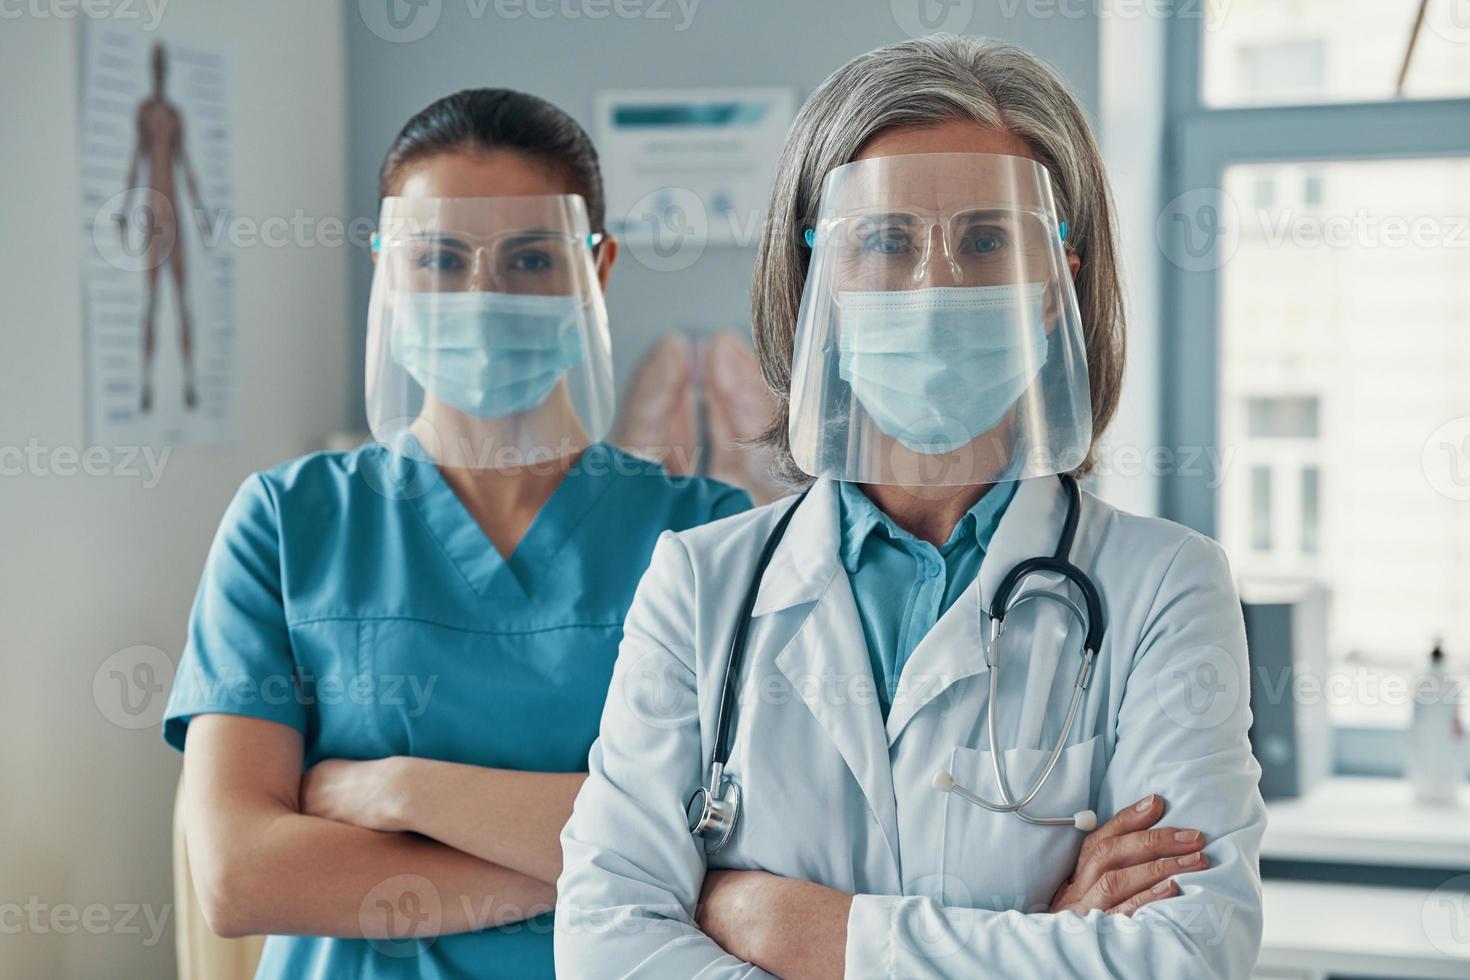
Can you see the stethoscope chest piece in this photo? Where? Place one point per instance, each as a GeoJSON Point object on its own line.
{"type": "Point", "coordinates": [713, 816]}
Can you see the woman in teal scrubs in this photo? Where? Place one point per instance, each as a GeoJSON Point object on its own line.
{"type": "Point", "coordinates": [398, 656]}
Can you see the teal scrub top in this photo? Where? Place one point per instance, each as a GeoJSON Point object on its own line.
{"type": "Point", "coordinates": [352, 597]}
{"type": "Point", "coordinates": [903, 584]}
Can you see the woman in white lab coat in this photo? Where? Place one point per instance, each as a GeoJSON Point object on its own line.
{"type": "Point", "coordinates": [937, 312]}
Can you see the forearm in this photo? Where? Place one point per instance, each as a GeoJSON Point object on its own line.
{"type": "Point", "coordinates": [799, 929]}
{"type": "Point", "coordinates": [513, 819]}
{"type": "Point", "coordinates": [285, 873]}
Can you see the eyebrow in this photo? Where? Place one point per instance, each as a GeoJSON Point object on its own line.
{"type": "Point", "coordinates": [903, 217]}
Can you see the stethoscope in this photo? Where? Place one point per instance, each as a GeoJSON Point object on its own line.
{"type": "Point", "coordinates": [714, 808]}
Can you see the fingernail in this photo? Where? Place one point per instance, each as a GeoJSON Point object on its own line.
{"type": "Point", "coordinates": [1162, 887]}
{"type": "Point", "coordinates": [1145, 803]}
{"type": "Point", "coordinates": [1189, 860]}
{"type": "Point", "coordinates": [1186, 836]}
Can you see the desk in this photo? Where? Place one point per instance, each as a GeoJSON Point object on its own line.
{"type": "Point", "coordinates": [1349, 820]}
{"type": "Point", "coordinates": [1313, 929]}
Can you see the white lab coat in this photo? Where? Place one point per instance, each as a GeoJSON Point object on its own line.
{"type": "Point", "coordinates": [833, 795]}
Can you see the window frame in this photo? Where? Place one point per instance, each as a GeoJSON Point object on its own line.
{"type": "Point", "coordinates": [1200, 143]}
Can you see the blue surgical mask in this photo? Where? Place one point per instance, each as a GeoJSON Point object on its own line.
{"type": "Point", "coordinates": [489, 355]}
{"type": "Point", "coordinates": [935, 368]}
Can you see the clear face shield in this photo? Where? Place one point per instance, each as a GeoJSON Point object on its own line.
{"type": "Point", "coordinates": [939, 341]}
{"type": "Point", "coordinates": [488, 345]}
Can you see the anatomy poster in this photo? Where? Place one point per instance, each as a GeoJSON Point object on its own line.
{"type": "Point", "coordinates": [693, 404]}
{"type": "Point", "coordinates": [157, 272]}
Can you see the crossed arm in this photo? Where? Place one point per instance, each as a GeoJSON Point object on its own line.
{"type": "Point", "coordinates": [329, 855]}
{"type": "Point", "coordinates": [636, 898]}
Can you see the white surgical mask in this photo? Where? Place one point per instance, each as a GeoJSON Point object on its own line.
{"type": "Point", "coordinates": [489, 355]}
{"type": "Point", "coordinates": [935, 368]}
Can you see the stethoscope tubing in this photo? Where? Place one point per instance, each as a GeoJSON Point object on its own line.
{"type": "Point", "coordinates": [721, 826]}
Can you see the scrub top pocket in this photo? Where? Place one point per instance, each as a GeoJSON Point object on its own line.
{"type": "Point", "coordinates": [997, 860]}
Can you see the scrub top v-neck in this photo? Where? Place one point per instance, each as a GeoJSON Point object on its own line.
{"type": "Point", "coordinates": [354, 598]}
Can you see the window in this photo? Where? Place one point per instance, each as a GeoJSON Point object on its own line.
{"type": "Point", "coordinates": [1311, 508]}
{"type": "Point", "coordinates": [1261, 508]}
{"type": "Point", "coordinates": [1318, 238]}
{"type": "Point", "coordinates": [1264, 52]}
{"type": "Point", "coordinates": [1345, 342]}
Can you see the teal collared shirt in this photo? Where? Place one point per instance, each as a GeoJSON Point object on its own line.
{"type": "Point", "coordinates": [902, 584]}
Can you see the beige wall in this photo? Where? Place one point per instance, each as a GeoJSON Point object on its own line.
{"type": "Point", "coordinates": [92, 565]}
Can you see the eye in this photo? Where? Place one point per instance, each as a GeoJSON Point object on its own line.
{"type": "Point", "coordinates": [887, 241]}
{"type": "Point", "coordinates": [441, 260]}
{"type": "Point", "coordinates": [530, 260]}
{"type": "Point", "coordinates": [985, 240]}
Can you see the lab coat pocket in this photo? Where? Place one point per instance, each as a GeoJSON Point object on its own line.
{"type": "Point", "coordinates": [997, 860]}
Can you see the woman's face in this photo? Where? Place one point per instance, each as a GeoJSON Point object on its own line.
{"type": "Point", "coordinates": [952, 136]}
{"type": "Point", "coordinates": [503, 173]}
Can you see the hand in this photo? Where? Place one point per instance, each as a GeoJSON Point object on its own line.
{"type": "Point", "coordinates": [366, 794]}
{"type": "Point", "coordinates": [1124, 865]}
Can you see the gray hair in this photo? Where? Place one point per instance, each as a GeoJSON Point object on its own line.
{"type": "Point", "coordinates": [922, 82]}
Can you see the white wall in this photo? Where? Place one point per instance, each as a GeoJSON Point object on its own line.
{"type": "Point", "coordinates": [1131, 131]}
{"type": "Point", "coordinates": [92, 565]}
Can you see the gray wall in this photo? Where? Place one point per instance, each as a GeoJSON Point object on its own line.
{"type": "Point", "coordinates": [568, 59]}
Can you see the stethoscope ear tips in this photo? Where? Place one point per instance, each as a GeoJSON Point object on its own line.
{"type": "Point", "coordinates": [943, 781]}
{"type": "Point", "coordinates": [1085, 820]}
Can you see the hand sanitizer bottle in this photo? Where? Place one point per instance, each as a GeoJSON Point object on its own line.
{"type": "Point", "coordinates": [1435, 765]}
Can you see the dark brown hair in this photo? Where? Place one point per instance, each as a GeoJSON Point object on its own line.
{"type": "Point", "coordinates": [485, 120]}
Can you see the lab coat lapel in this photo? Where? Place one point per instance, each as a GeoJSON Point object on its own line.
{"type": "Point", "coordinates": [826, 662]}
{"type": "Point", "coordinates": [954, 648]}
